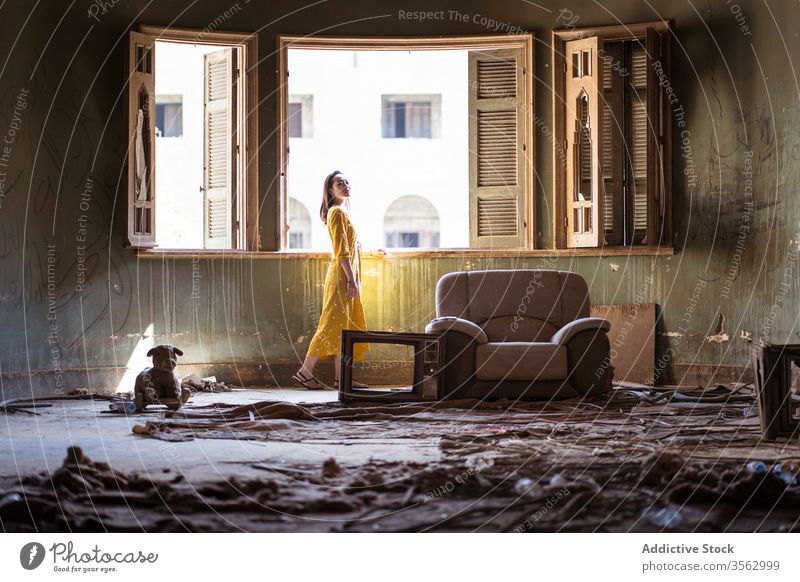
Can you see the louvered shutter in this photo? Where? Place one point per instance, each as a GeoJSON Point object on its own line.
{"type": "Point", "coordinates": [656, 112]}
{"type": "Point", "coordinates": [637, 143]}
{"type": "Point", "coordinates": [613, 138]}
{"type": "Point", "coordinates": [218, 149]}
{"type": "Point", "coordinates": [496, 148]}
{"type": "Point", "coordinates": [141, 60]}
{"type": "Point", "coordinates": [584, 120]}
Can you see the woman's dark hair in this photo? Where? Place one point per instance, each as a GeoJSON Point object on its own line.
{"type": "Point", "coordinates": [327, 196]}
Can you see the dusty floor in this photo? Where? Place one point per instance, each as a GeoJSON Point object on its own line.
{"type": "Point", "coordinates": [39, 442]}
{"type": "Point", "coordinates": [628, 461]}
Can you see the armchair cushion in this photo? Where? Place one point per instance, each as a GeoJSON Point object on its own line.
{"type": "Point", "coordinates": [443, 324]}
{"type": "Point", "coordinates": [511, 361]}
{"type": "Point", "coordinates": [573, 328]}
{"type": "Point", "coordinates": [513, 328]}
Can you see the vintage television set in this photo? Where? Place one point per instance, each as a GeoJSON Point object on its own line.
{"type": "Point", "coordinates": [428, 359]}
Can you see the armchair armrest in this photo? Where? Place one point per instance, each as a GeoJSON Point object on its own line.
{"type": "Point", "coordinates": [573, 328]}
{"type": "Point", "coordinates": [442, 324]}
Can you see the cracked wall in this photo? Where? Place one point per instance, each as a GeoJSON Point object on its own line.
{"type": "Point", "coordinates": [736, 215]}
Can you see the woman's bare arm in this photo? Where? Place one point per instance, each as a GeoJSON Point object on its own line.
{"type": "Point", "coordinates": [352, 285]}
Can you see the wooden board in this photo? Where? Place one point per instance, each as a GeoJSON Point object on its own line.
{"type": "Point", "coordinates": [633, 340]}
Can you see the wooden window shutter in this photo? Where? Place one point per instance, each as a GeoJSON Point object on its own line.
{"type": "Point", "coordinates": [657, 168]}
{"type": "Point", "coordinates": [496, 148]}
{"type": "Point", "coordinates": [218, 149]}
{"type": "Point", "coordinates": [613, 141]}
{"type": "Point", "coordinates": [140, 61]}
{"type": "Point", "coordinates": [639, 146]}
{"type": "Point", "coordinates": [584, 120]}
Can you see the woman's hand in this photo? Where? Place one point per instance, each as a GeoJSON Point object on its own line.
{"type": "Point", "coordinates": [352, 286]}
{"type": "Point", "coordinates": [352, 290]}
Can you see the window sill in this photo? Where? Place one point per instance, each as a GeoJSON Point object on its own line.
{"type": "Point", "coordinates": [523, 253]}
{"type": "Point", "coordinates": [615, 251]}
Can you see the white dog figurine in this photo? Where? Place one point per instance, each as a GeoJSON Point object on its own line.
{"type": "Point", "coordinates": [159, 384]}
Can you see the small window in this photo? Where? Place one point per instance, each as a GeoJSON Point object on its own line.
{"type": "Point", "coordinates": [300, 120]}
{"type": "Point", "coordinates": [169, 116]}
{"type": "Point", "coordinates": [295, 120]}
{"type": "Point", "coordinates": [403, 240]}
{"type": "Point", "coordinates": [411, 116]}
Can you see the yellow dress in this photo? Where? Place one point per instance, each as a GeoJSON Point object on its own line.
{"type": "Point", "coordinates": [339, 312]}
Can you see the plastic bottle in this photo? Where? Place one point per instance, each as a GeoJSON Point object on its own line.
{"type": "Point", "coordinates": [522, 486]}
{"type": "Point", "coordinates": [786, 472]}
{"type": "Point", "coordinates": [664, 517]}
{"type": "Point", "coordinates": [756, 467]}
{"type": "Point", "coordinates": [124, 406]}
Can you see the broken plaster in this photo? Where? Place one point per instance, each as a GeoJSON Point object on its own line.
{"type": "Point", "coordinates": [672, 334]}
{"type": "Point", "coordinates": [720, 336]}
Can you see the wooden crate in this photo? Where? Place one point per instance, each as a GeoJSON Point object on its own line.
{"type": "Point", "coordinates": [777, 371]}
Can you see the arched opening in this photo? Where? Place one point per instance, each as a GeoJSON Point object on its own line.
{"type": "Point", "coordinates": [411, 222]}
{"type": "Point", "coordinates": [299, 225]}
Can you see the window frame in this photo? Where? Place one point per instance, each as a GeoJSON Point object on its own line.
{"type": "Point", "coordinates": [525, 42]}
{"type": "Point", "coordinates": [621, 32]}
{"type": "Point", "coordinates": [245, 206]}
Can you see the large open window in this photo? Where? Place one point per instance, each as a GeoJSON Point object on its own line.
{"type": "Point", "coordinates": [423, 128]}
{"type": "Point", "coordinates": [612, 152]}
{"type": "Point", "coordinates": [190, 121]}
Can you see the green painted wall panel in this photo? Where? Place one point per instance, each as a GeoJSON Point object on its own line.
{"type": "Point", "coordinates": [737, 234]}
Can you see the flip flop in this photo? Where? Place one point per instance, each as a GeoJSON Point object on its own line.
{"type": "Point", "coordinates": [304, 382]}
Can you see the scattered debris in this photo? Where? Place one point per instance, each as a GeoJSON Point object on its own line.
{"type": "Point", "coordinates": [209, 384]}
{"type": "Point", "coordinates": [523, 486]}
{"type": "Point", "coordinates": [22, 408]}
{"type": "Point", "coordinates": [641, 458]}
{"type": "Point", "coordinates": [21, 405]}
{"type": "Point", "coordinates": [479, 462]}
{"type": "Point", "coordinates": [330, 468]}
{"type": "Point", "coordinates": [663, 517]}
{"type": "Point", "coordinates": [160, 431]}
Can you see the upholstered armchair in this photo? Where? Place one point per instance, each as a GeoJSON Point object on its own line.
{"type": "Point", "coordinates": [522, 334]}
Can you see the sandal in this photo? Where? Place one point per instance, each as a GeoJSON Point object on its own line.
{"type": "Point", "coordinates": [304, 381]}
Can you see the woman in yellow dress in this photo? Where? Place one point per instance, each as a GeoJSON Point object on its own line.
{"type": "Point", "coordinates": [341, 306]}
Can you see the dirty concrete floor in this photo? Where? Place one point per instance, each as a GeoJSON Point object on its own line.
{"type": "Point", "coordinates": [30, 444]}
{"type": "Point", "coordinates": [631, 460]}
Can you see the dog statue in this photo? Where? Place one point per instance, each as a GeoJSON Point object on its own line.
{"type": "Point", "coordinates": [159, 384]}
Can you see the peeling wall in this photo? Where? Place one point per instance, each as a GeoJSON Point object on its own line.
{"type": "Point", "coordinates": [74, 301]}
